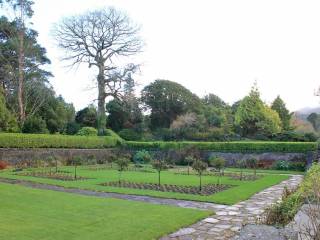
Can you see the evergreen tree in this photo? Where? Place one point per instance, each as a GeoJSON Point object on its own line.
{"type": "Point", "coordinates": [279, 106]}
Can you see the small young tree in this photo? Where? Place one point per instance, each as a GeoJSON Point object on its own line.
{"type": "Point", "coordinates": [76, 161]}
{"type": "Point", "coordinates": [51, 162]}
{"type": "Point", "coordinates": [253, 164]}
{"type": "Point", "coordinates": [199, 166]}
{"type": "Point", "coordinates": [159, 164]}
{"type": "Point", "coordinates": [241, 163]}
{"type": "Point", "coordinates": [189, 160]}
{"type": "Point", "coordinates": [122, 163]}
{"type": "Point", "coordinates": [218, 163]}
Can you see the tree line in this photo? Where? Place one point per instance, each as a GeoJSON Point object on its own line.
{"type": "Point", "coordinates": [105, 39]}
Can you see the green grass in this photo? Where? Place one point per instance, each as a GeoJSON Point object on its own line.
{"type": "Point", "coordinates": [240, 191]}
{"type": "Point", "coordinates": [266, 171]}
{"type": "Point", "coordinates": [29, 214]}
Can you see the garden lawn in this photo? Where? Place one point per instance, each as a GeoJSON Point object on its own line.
{"type": "Point", "coordinates": [240, 191]}
{"type": "Point", "coordinates": [29, 214]}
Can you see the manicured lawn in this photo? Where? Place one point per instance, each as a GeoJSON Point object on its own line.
{"type": "Point", "coordinates": [29, 214]}
{"type": "Point", "coordinates": [266, 171]}
{"type": "Point", "coordinates": [241, 190]}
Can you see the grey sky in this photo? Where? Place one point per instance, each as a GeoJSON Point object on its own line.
{"type": "Point", "coordinates": [208, 46]}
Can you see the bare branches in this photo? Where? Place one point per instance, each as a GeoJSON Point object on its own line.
{"type": "Point", "coordinates": [98, 36]}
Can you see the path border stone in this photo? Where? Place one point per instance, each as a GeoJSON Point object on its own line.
{"type": "Point", "coordinates": [229, 220]}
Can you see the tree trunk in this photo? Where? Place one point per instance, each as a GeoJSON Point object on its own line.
{"type": "Point", "coordinates": [159, 178]}
{"type": "Point", "coordinates": [102, 120]}
{"type": "Point", "coordinates": [200, 182]}
{"type": "Point", "coordinates": [75, 172]}
{"type": "Point", "coordinates": [22, 115]}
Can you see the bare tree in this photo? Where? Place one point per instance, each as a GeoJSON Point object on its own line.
{"type": "Point", "coordinates": [99, 38]}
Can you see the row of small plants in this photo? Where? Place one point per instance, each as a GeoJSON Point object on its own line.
{"type": "Point", "coordinates": [249, 146]}
{"type": "Point", "coordinates": [308, 192]}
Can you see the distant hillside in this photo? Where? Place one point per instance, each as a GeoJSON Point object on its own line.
{"type": "Point", "coordinates": [308, 110]}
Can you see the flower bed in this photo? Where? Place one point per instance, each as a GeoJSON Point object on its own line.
{"type": "Point", "coordinates": [53, 175]}
{"type": "Point", "coordinates": [208, 189]}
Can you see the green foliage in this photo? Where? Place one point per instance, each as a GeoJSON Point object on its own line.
{"type": "Point", "coordinates": [8, 122]}
{"type": "Point", "coordinates": [18, 140]}
{"type": "Point", "coordinates": [122, 163]}
{"type": "Point", "coordinates": [314, 119]}
{"type": "Point", "coordinates": [253, 116]}
{"type": "Point", "coordinates": [217, 162]}
{"type": "Point", "coordinates": [87, 117]}
{"type": "Point", "coordinates": [72, 128]}
{"type": "Point", "coordinates": [142, 157]}
{"type": "Point", "coordinates": [167, 100]}
{"type": "Point", "coordinates": [129, 134]}
{"type": "Point", "coordinates": [199, 166]}
{"type": "Point", "coordinates": [34, 125]}
{"type": "Point", "coordinates": [244, 146]}
{"type": "Point", "coordinates": [87, 131]}
{"type": "Point", "coordinates": [279, 106]}
{"type": "Point", "coordinates": [281, 165]}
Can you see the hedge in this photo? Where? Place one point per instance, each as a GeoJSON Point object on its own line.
{"type": "Point", "coordinates": [294, 147]}
{"type": "Point", "coordinates": [19, 140]}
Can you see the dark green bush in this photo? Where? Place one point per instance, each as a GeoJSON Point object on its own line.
{"type": "Point", "coordinates": [247, 146]}
{"type": "Point", "coordinates": [142, 157]}
{"type": "Point", "coordinates": [72, 128]}
{"type": "Point", "coordinates": [34, 125]}
{"type": "Point", "coordinates": [129, 134]}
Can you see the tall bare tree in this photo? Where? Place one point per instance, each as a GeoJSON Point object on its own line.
{"type": "Point", "coordinates": [99, 38]}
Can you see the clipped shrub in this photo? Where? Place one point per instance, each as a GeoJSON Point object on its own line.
{"type": "Point", "coordinates": [3, 165]}
{"type": "Point", "coordinates": [87, 131]}
{"type": "Point", "coordinates": [244, 146]}
{"type": "Point", "coordinates": [18, 140]}
{"type": "Point", "coordinates": [142, 157]}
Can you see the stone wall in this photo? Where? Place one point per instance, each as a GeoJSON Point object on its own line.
{"type": "Point", "coordinates": [15, 155]}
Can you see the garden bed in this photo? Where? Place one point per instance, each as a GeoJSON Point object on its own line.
{"type": "Point", "coordinates": [57, 176]}
{"type": "Point", "coordinates": [208, 189]}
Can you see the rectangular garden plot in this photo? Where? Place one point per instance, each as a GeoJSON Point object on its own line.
{"type": "Point", "coordinates": [53, 175]}
{"type": "Point", "coordinates": [208, 189]}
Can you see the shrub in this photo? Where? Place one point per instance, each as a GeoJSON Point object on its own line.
{"type": "Point", "coordinates": [122, 163]}
{"type": "Point", "coordinates": [34, 125]}
{"type": "Point", "coordinates": [199, 166]}
{"type": "Point", "coordinates": [3, 165]}
{"type": "Point", "coordinates": [281, 165]}
{"type": "Point", "coordinates": [244, 146]}
{"type": "Point", "coordinates": [129, 134]}
{"type": "Point", "coordinates": [282, 213]}
{"type": "Point", "coordinates": [18, 140]}
{"type": "Point", "coordinates": [142, 157]}
{"type": "Point", "coordinates": [87, 131]}
{"type": "Point", "coordinates": [72, 128]}
{"type": "Point", "coordinates": [217, 162]}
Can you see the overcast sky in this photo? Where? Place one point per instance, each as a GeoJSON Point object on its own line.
{"type": "Point", "coordinates": [213, 46]}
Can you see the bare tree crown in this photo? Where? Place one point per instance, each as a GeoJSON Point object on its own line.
{"type": "Point", "coordinates": [98, 36]}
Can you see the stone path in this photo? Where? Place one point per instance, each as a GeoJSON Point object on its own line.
{"type": "Point", "coordinates": [225, 224]}
{"type": "Point", "coordinates": [230, 219]}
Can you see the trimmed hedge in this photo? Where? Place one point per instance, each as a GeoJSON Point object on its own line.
{"type": "Point", "coordinates": [19, 140]}
{"type": "Point", "coordinates": [294, 147]}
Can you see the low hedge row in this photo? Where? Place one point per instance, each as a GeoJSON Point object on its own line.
{"type": "Point", "coordinates": [294, 147]}
{"type": "Point", "coordinates": [19, 140]}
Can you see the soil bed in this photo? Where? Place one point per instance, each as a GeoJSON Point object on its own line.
{"type": "Point", "coordinates": [53, 175]}
{"type": "Point", "coordinates": [206, 189]}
